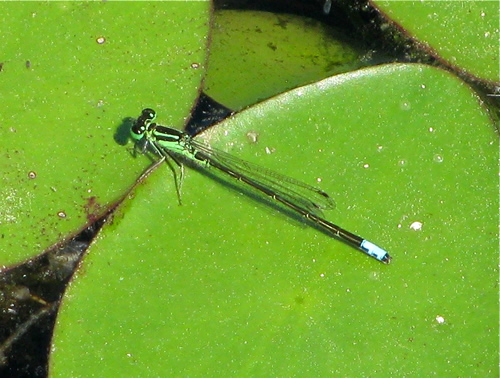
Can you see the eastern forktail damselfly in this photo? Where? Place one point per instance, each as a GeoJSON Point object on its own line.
{"type": "Point", "coordinates": [295, 195]}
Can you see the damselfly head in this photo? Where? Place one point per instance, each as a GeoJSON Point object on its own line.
{"type": "Point", "coordinates": [142, 123]}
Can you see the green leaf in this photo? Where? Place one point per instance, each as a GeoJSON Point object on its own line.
{"type": "Point", "coordinates": [227, 285]}
{"type": "Point", "coordinates": [256, 55]}
{"type": "Point", "coordinates": [72, 73]}
{"type": "Point", "coordinates": [463, 33]}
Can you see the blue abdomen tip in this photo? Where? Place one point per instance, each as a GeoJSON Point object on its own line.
{"type": "Point", "coordinates": [375, 251]}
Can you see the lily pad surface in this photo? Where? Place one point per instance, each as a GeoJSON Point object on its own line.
{"type": "Point", "coordinates": [464, 34]}
{"type": "Point", "coordinates": [73, 73]}
{"type": "Point", "coordinates": [227, 285]}
{"type": "Point", "coordinates": [255, 55]}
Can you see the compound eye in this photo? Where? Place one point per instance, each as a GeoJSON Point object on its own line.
{"type": "Point", "coordinates": [139, 129]}
{"type": "Point", "coordinates": [148, 114]}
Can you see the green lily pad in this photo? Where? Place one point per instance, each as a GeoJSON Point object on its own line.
{"type": "Point", "coordinates": [463, 33]}
{"type": "Point", "coordinates": [72, 72]}
{"type": "Point", "coordinates": [256, 55]}
{"type": "Point", "coordinates": [225, 284]}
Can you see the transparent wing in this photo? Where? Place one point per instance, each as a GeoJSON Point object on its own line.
{"type": "Point", "coordinates": [305, 196]}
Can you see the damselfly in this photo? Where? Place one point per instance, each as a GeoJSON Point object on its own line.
{"type": "Point", "coordinates": [295, 195]}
